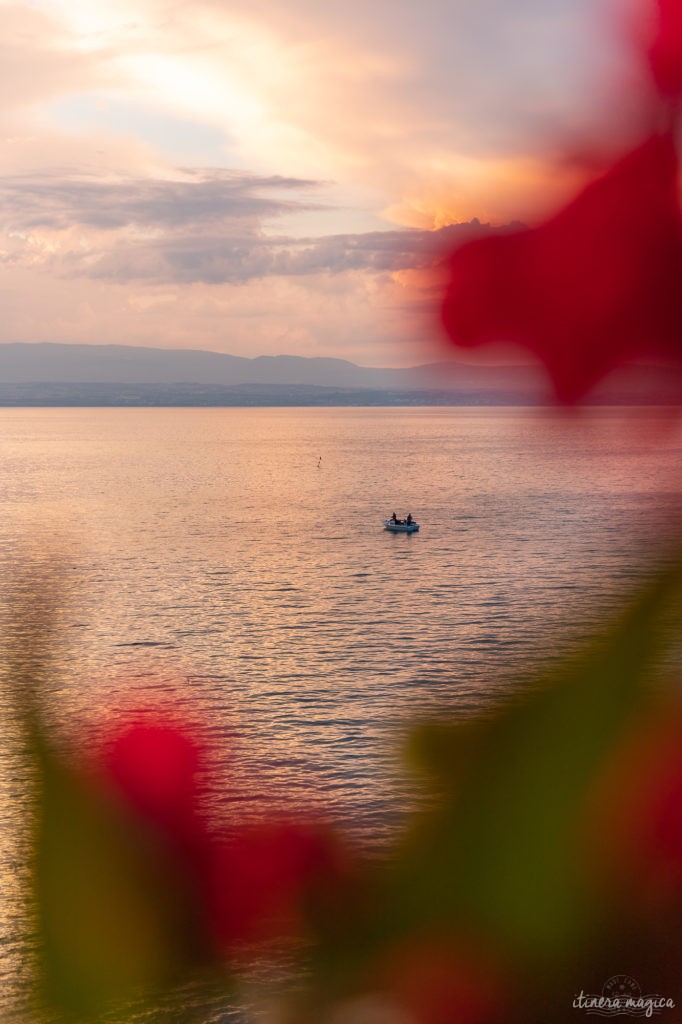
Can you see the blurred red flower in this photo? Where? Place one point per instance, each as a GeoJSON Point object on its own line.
{"type": "Point", "coordinates": [596, 285]}
{"type": "Point", "coordinates": [268, 881]}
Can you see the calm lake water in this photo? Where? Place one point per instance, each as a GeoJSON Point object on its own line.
{"type": "Point", "coordinates": [240, 555]}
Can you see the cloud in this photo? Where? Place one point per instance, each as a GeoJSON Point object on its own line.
{"type": "Point", "coordinates": [202, 226]}
{"type": "Point", "coordinates": [40, 59]}
{"type": "Point", "coordinates": [210, 232]}
{"type": "Point", "coordinates": [238, 259]}
{"type": "Point", "coordinates": [425, 99]}
{"type": "Point", "coordinates": [414, 103]}
{"type": "Point", "coordinates": [56, 202]}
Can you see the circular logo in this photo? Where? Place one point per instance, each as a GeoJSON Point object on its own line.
{"type": "Point", "coordinates": [621, 986]}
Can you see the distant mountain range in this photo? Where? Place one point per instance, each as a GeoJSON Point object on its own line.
{"type": "Point", "coordinates": [123, 364]}
{"type": "Point", "coordinates": [65, 375]}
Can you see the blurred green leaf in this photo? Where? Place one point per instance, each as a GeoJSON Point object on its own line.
{"type": "Point", "coordinates": [501, 851]}
{"type": "Point", "coordinates": [101, 917]}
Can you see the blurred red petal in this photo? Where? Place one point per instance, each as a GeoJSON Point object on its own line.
{"type": "Point", "coordinates": [154, 765]}
{"type": "Point", "coordinates": [593, 287]}
{"type": "Point", "coordinates": [665, 53]}
{"type": "Point", "coordinates": [635, 824]}
{"type": "Point", "coordinates": [656, 798]}
{"type": "Point", "coordinates": [666, 815]}
{"type": "Point", "coordinates": [260, 883]}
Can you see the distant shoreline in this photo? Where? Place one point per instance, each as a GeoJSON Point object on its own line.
{"type": "Point", "coordinates": [146, 396]}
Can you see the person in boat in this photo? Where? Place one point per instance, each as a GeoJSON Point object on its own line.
{"type": "Point", "coordinates": [409, 519]}
{"type": "Point", "coordinates": [394, 519]}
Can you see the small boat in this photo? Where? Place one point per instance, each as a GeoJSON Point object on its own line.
{"type": "Point", "coordinates": [400, 526]}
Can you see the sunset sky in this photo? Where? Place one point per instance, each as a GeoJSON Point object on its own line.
{"type": "Point", "coordinates": [257, 178]}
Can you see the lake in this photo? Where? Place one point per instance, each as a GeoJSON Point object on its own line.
{"type": "Point", "coordinates": [238, 556]}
